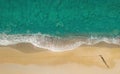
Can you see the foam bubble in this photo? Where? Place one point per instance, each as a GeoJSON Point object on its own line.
{"type": "Point", "coordinates": [54, 43]}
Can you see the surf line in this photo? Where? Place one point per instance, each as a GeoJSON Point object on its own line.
{"type": "Point", "coordinates": [104, 61]}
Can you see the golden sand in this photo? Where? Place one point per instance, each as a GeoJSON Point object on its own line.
{"type": "Point", "coordinates": [27, 59]}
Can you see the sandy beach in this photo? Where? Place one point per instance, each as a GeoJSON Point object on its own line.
{"type": "Point", "coordinates": [27, 59]}
{"type": "Point", "coordinates": [59, 36]}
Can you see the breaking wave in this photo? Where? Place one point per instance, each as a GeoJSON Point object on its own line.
{"type": "Point", "coordinates": [55, 43]}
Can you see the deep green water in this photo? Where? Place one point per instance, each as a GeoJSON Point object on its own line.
{"type": "Point", "coordinates": [60, 17]}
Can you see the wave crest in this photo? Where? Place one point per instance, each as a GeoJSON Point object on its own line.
{"type": "Point", "coordinates": [55, 43]}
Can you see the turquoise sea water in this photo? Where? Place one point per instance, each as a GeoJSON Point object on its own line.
{"type": "Point", "coordinates": [99, 18]}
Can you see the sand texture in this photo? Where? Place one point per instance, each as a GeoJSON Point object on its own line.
{"type": "Point", "coordinates": [27, 59]}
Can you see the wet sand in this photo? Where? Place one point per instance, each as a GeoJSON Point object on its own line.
{"type": "Point", "coordinates": [27, 59]}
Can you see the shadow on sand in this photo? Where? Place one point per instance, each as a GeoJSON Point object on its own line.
{"type": "Point", "coordinates": [27, 48]}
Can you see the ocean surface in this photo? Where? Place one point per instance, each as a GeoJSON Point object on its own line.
{"type": "Point", "coordinates": [59, 24]}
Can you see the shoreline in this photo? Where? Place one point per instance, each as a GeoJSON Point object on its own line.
{"type": "Point", "coordinates": [81, 59]}
{"type": "Point", "coordinates": [23, 53]}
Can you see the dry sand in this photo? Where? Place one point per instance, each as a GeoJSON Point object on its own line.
{"type": "Point", "coordinates": [27, 59]}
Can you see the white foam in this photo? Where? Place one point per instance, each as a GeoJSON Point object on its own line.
{"type": "Point", "coordinates": [54, 43]}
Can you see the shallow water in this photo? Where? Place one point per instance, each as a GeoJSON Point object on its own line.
{"type": "Point", "coordinates": [47, 24]}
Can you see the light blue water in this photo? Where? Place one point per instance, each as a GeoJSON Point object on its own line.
{"type": "Point", "coordinates": [60, 18]}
